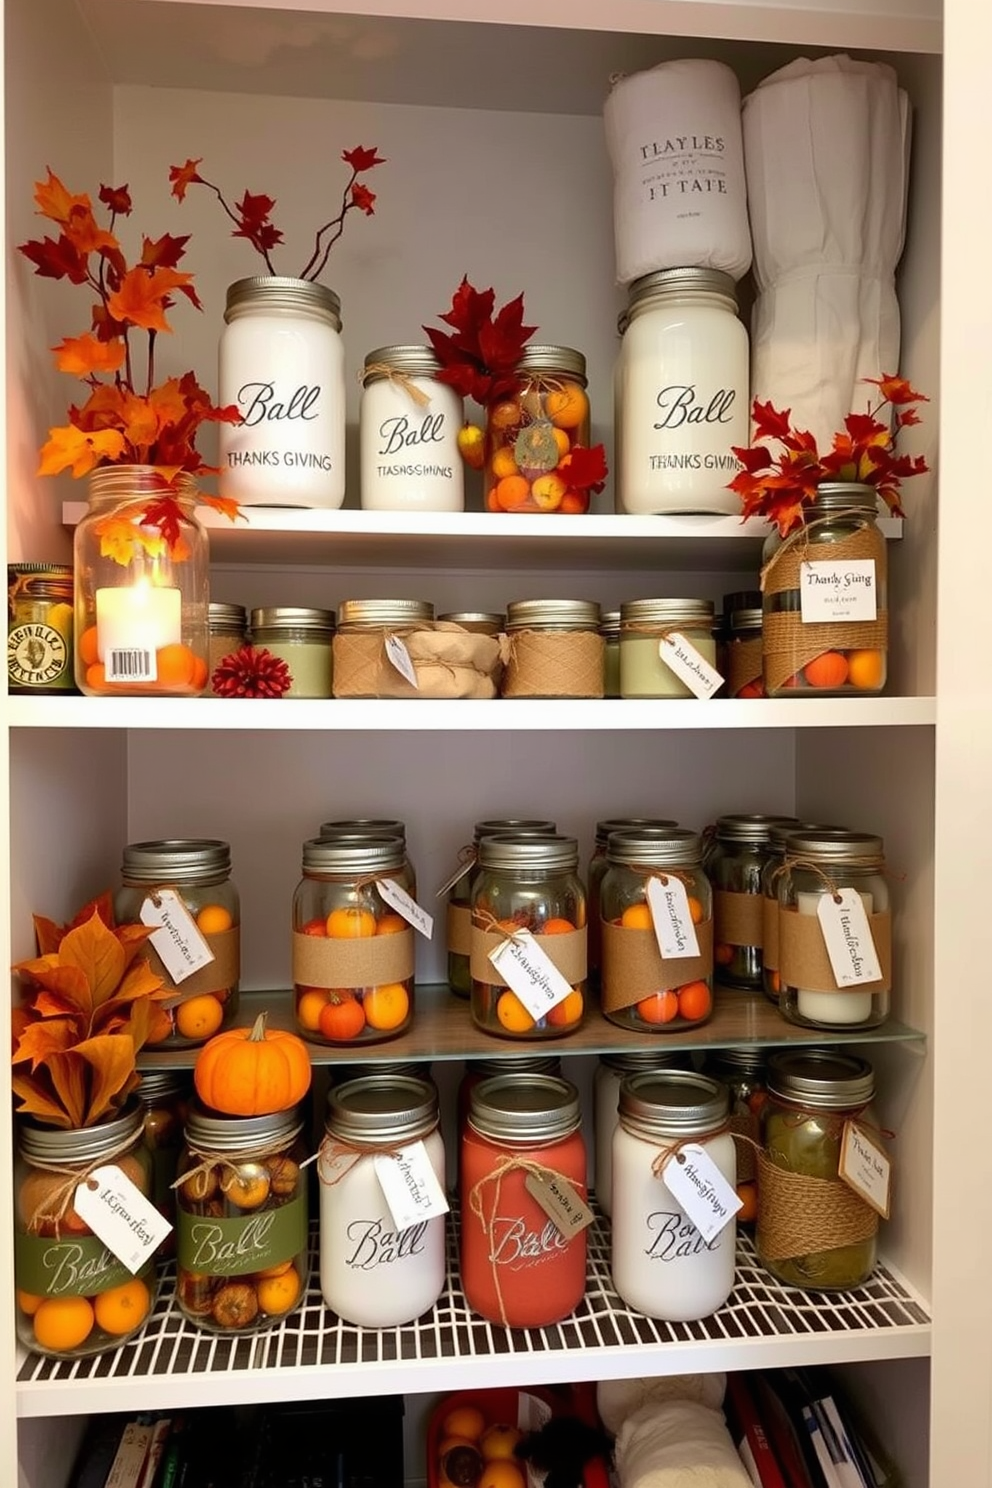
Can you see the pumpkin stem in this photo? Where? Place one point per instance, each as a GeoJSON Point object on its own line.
{"type": "Point", "coordinates": [257, 1035]}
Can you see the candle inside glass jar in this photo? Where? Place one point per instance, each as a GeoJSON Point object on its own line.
{"type": "Point", "coordinates": [832, 1007]}
{"type": "Point", "coordinates": [137, 617]}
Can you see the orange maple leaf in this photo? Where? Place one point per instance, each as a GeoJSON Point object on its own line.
{"type": "Point", "coordinates": [71, 448]}
{"type": "Point", "coordinates": [55, 202]}
{"type": "Point", "coordinates": [139, 421]}
{"type": "Point", "coordinates": [140, 300]}
{"type": "Point", "coordinates": [120, 539]}
{"type": "Point", "coordinates": [167, 404]}
{"type": "Point", "coordinates": [83, 230]}
{"type": "Point", "coordinates": [83, 355]}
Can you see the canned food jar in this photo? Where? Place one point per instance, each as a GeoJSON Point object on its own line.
{"type": "Point", "coordinates": [282, 365]}
{"type": "Point", "coordinates": [641, 989]}
{"type": "Point", "coordinates": [459, 912]}
{"type": "Point", "coordinates": [662, 1266]}
{"type": "Point", "coordinates": [743, 1073]}
{"type": "Point", "coordinates": [843, 651]}
{"type": "Point", "coordinates": [528, 884]}
{"type": "Point", "coordinates": [555, 649]}
{"type": "Point", "coordinates": [646, 626]}
{"type": "Point", "coordinates": [597, 869]}
{"type": "Point", "coordinates": [164, 1097]}
{"type": "Point", "coordinates": [682, 393]}
{"type": "Point", "coordinates": [531, 431]}
{"type": "Point", "coordinates": [39, 628]}
{"type": "Point", "coordinates": [610, 631]}
{"type": "Point", "coordinates": [186, 882]}
{"type": "Point", "coordinates": [242, 1237]}
{"type": "Point", "coordinates": [363, 666]}
{"type": "Point", "coordinates": [227, 631]}
{"type": "Point", "coordinates": [745, 678]}
{"type": "Point", "coordinates": [73, 1296]}
{"type": "Point", "coordinates": [610, 1071]}
{"type": "Point", "coordinates": [408, 433]}
{"type": "Point", "coordinates": [518, 1268]}
{"type": "Point", "coordinates": [353, 955]}
{"type": "Point", "coordinates": [813, 1230]}
{"type": "Point", "coordinates": [371, 1274]}
{"type": "Point", "coordinates": [734, 865]}
{"type": "Point", "coordinates": [302, 638]}
{"type": "Point", "coordinates": [819, 863]}
{"type": "Point", "coordinates": [477, 1070]}
{"type": "Point", "coordinates": [372, 826]}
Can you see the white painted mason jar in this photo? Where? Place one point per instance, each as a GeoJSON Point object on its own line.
{"type": "Point", "coordinates": [372, 1275]}
{"type": "Point", "coordinates": [610, 1071]}
{"type": "Point", "coordinates": [282, 365]}
{"type": "Point", "coordinates": [409, 425]}
{"type": "Point", "coordinates": [662, 1266]}
{"type": "Point", "coordinates": [682, 394]}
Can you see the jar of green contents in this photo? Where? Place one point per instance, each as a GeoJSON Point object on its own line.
{"type": "Point", "coordinates": [302, 637]}
{"type": "Point", "coordinates": [813, 1230]}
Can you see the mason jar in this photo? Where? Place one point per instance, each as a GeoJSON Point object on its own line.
{"type": "Point", "coordinates": [39, 628]}
{"type": "Point", "coordinates": [818, 863]}
{"type": "Point", "coordinates": [478, 622]}
{"type": "Point", "coordinates": [610, 1071]}
{"type": "Point", "coordinates": [771, 983]}
{"type": "Point", "coordinates": [185, 886]}
{"type": "Point", "coordinates": [609, 629]}
{"type": "Point", "coordinates": [227, 631]}
{"type": "Point", "coordinates": [743, 1072]}
{"type": "Point", "coordinates": [362, 664]}
{"type": "Point", "coordinates": [459, 909]}
{"type": "Point", "coordinates": [597, 870]}
{"type": "Point", "coordinates": [682, 394]}
{"type": "Point", "coordinates": [528, 884]}
{"type": "Point", "coordinates": [164, 1097]}
{"type": "Point", "coordinates": [739, 852]}
{"type": "Point", "coordinates": [743, 654]}
{"type": "Point", "coordinates": [645, 626]}
{"type": "Point", "coordinates": [531, 431]}
{"type": "Point", "coordinates": [408, 434]}
{"type": "Point", "coordinates": [242, 1237]}
{"type": "Point", "coordinates": [555, 649]}
{"type": "Point", "coordinates": [843, 555]}
{"type": "Point", "coordinates": [372, 826]}
{"type": "Point", "coordinates": [301, 636]}
{"type": "Point", "coordinates": [640, 989]}
{"type": "Point", "coordinates": [282, 366]}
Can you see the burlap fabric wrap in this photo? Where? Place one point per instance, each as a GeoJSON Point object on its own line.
{"type": "Point", "coordinates": [787, 644]}
{"type": "Point", "coordinates": [633, 967]}
{"type": "Point", "coordinates": [219, 976]}
{"type": "Point", "coordinates": [744, 664]}
{"type": "Point", "coordinates": [567, 952]}
{"type": "Point", "coordinates": [801, 1216]}
{"type": "Point", "coordinates": [803, 959]}
{"type": "Point", "coordinates": [769, 933]}
{"type": "Point", "coordinates": [459, 929]}
{"type": "Point", "coordinates": [746, 1130]}
{"type": "Point", "coordinates": [370, 961]}
{"type": "Point", "coordinates": [554, 663]}
{"type": "Point", "coordinates": [450, 662]}
{"type": "Point", "coordinates": [737, 918]}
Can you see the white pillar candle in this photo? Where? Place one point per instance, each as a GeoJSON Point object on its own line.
{"type": "Point", "coordinates": [832, 1007]}
{"type": "Point", "coordinates": [137, 617]}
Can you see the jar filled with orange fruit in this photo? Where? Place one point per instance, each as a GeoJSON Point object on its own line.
{"type": "Point", "coordinates": [372, 826]}
{"type": "Point", "coordinates": [183, 886]}
{"type": "Point", "coordinates": [73, 1296]}
{"type": "Point", "coordinates": [459, 915]}
{"type": "Point", "coordinates": [353, 954]}
{"type": "Point", "coordinates": [529, 886]}
{"type": "Point", "coordinates": [598, 866]}
{"type": "Point", "coordinates": [530, 434]}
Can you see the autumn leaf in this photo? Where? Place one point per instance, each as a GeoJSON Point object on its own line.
{"type": "Point", "coordinates": [166, 517]}
{"type": "Point", "coordinates": [769, 422]}
{"type": "Point", "coordinates": [110, 1058]}
{"type": "Point", "coordinates": [585, 469]}
{"type": "Point", "coordinates": [140, 299]}
{"type": "Point", "coordinates": [183, 176]}
{"type": "Point", "coordinates": [55, 202]}
{"type": "Point", "coordinates": [132, 938]}
{"type": "Point", "coordinates": [84, 232]}
{"type": "Point", "coordinates": [53, 259]}
{"type": "Point", "coordinates": [222, 504]}
{"type": "Point", "coordinates": [149, 1023]}
{"type": "Point", "coordinates": [896, 390]}
{"type": "Point", "coordinates": [98, 954]}
{"type": "Point", "coordinates": [164, 252]}
{"type": "Point", "coordinates": [117, 198]}
{"type": "Point", "coordinates": [43, 1037]}
{"type": "Point", "coordinates": [71, 448]}
{"type": "Point", "coordinates": [83, 355]}
{"type": "Point", "coordinates": [39, 1100]}
{"type": "Point", "coordinates": [68, 1074]}
{"type": "Point", "coordinates": [254, 224]}
{"type": "Point", "coordinates": [363, 198]}
{"type": "Point", "coordinates": [361, 158]}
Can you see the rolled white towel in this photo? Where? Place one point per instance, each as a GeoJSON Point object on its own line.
{"type": "Point", "coordinates": [618, 1399]}
{"type": "Point", "coordinates": [678, 1444]}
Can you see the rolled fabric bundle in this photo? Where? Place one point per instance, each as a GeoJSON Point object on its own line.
{"type": "Point", "coordinates": [678, 1444]}
{"type": "Point", "coordinates": [618, 1399]}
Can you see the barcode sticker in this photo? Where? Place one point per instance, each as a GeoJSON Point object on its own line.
{"type": "Point", "coordinates": [130, 664]}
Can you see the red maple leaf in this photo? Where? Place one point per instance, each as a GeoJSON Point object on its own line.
{"type": "Point", "coordinates": [55, 259]}
{"type": "Point", "coordinates": [896, 390]}
{"type": "Point", "coordinates": [480, 360]}
{"type": "Point", "coordinates": [362, 158]}
{"type": "Point", "coordinates": [769, 423]}
{"type": "Point", "coordinates": [183, 176]}
{"type": "Point", "coordinates": [585, 469]}
{"type": "Point", "coordinates": [252, 212]}
{"type": "Point", "coordinates": [164, 514]}
{"type": "Point", "coordinates": [164, 252]}
{"type": "Point", "coordinates": [363, 198]}
{"type": "Point", "coordinates": [753, 458]}
{"type": "Point", "coordinates": [117, 198]}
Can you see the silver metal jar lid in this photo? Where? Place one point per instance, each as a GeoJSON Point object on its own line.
{"type": "Point", "coordinates": [644, 848]}
{"type": "Point", "coordinates": [520, 826]}
{"type": "Point", "coordinates": [552, 614]}
{"type": "Point", "coordinates": [48, 570]}
{"type": "Point", "coordinates": [634, 1061]}
{"type": "Point", "coordinates": [609, 625]}
{"type": "Point", "coordinates": [784, 829]}
{"type": "Point", "coordinates": [553, 359]}
{"type": "Point", "coordinates": [385, 612]}
{"type": "Point", "coordinates": [341, 1074]}
{"type": "Point", "coordinates": [752, 830]}
{"type": "Point", "coordinates": [487, 621]}
{"type": "Point", "coordinates": [745, 619]}
{"type": "Point", "coordinates": [667, 612]}
{"type": "Point", "coordinates": [276, 292]}
{"type": "Point", "coordinates": [226, 617]}
{"type": "Point", "coordinates": [158, 1085]}
{"type": "Point", "coordinates": [53, 1144]}
{"type": "Point", "coordinates": [207, 1131]}
{"type": "Point", "coordinates": [673, 1103]}
{"type": "Point", "coordinates": [274, 620]}
{"type": "Point", "coordinates": [181, 860]}
{"type": "Point", "coordinates": [505, 852]}
{"type": "Point", "coordinates": [413, 361]}
{"type": "Point", "coordinates": [525, 1108]}
{"type": "Point", "coordinates": [821, 1078]}
{"type": "Point", "coordinates": [844, 496]}
{"type": "Point", "coordinates": [631, 824]}
{"type": "Point", "coordinates": [516, 1064]}
{"type": "Point", "coordinates": [373, 826]}
{"type": "Point", "coordinates": [354, 854]}
{"type": "Point", "coordinates": [378, 1109]}
{"type": "Point", "coordinates": [729, 1062]}
{"type": "Point", "coordinates": [833, 845]}
{"type": "Point", "coordinates": [665, 283]}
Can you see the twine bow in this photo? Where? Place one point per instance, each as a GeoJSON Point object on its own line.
{"type": "Point", "coordinates": [399, 379]}
{"type": "Point", "coordinates": [54, 1205]}
{"type": "Point", "coordinates": [333, 1148]}
{"type": "Point", "coordinates": [232, 1161]}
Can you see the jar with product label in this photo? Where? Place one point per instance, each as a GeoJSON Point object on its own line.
{"type": "Point", "coordinates": [282, 366]}
{"type": "Point", "coordinates": [661, 643]}
{"type": "Point", "coordinates": [743, 654]}
{"type": "Point", "coordinates": [609, 629]}
{"type": "Point", "coordinates": [813, 1229]}
{"type": "Point", "coordinates": [353, 953]}
{"type": "Point", "coordinates": [743, 1073]}
{"type": "Point", "coordinates": [662, 1266]}
{"type": "Point", "coordinates": [656, 878]}
{"type": "Point", "coordinates": [379, 1269]}
{"type": "Point", "coordinates": [610, 1071]}
{"type": "Point", "coordinates": [372, 826]}
{"type": "Point", "coordinates": [408, 434]}
{"type": "Point", "coordinates": [364, 663]}
{"type": "Point", "coordinates": [164, 1097]}
{"type": "Point", "coordinates": [183, 886]}
{"type": "Point", "coordinates": [597, 870]}
{"type": "Point", "coordinates": [73, 1296]}
{"type": "Point", "coordinates": [555, 649]}
{"type": "Point", "coordinates": [530, 433]}
{"type": "Point", "coordinates": [39, 628]}
{"type": "Point", "coordinates": [459, 912]}
{"type": "Point", "coordinates": [227, 627]}
{"type": "Point", "coordinates": [302, 638]}
{"type": "Point", "coordinates": [519, 1267]}
{"type": "Point", "coordinates": [825, 628]}
{"type": "Point", "coordinates": [734, 864]}
{"type": "Point", "coordinates": [242, 1238]}
{"type": "Point", "coordinates": [682, 393]}
{"type": "Point", "coordinates": [528, 886]}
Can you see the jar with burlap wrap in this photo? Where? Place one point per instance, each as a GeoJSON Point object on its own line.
{"type": "Point", "coordinates": [646, 626]}
{"type": "Point", "coordinates": [597, 871]}
{"type": "Point", "coordinates": [771, 981]}
{"type": "Point", "coordinates": [353, 955]}
{"type": "Point", "coordinates": [532, 885]}
{"type": "Point", "coordinates": [184, 886]}
{"type": "Point", "coordinates": [611, 1070]}
{"type": "Point", "coordinates": [531, 430]}
{"type": "Point", "coordinates": [408, 434]}
{"type": "Point", "coordinates": [227, 631]}
{"type": "Point", "coordinates": [743, 655]}
{"type": "Point", "coordinates": [826, 861]}
{"type": "Point", "coordinates": [394, 648]}
{"type": "Point", "coordinates": [459, 895]}
{"type": "Point", "coordinates": [837, 562]}
{"type": "Point", "coordinates": [743, 1073]}
{"type": "Point", "coordinates": [302, 637]}
{"type": "Point", "coordinates": [734, 862]}
{"type": "Point", "coordinates": [554, 649]}
{"type": "Point", "coordinates": [813, 1230]}
{"type": "Point", "coordinates": [641, 989]}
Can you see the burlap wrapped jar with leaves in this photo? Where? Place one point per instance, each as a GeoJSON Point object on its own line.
{"type": "Point", "coordinates": [394, 648]}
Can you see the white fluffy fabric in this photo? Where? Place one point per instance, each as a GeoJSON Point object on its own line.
{"type": "Point", "coordinates": [678, 1444]}
{"type": "Point", "coordinates": [616, 1400]}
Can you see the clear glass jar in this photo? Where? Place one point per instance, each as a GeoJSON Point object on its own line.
{"type": "Point", "coordinates": [353, 955]}
{"type": "Point", "coordinates": [362, 667]}
{"type": "Point", "coordinates": [644, 626]}
{"type": "Point", "coordinates": [164, 1097]}
{"type": "Point", "coordinates": [227, 628]}
{"type": "Point", "coordinates": [743, 1073]}
{"type": "Point", "coordinates": [771, 983]}
{"type": "Point", "coordinates": [661, 1264]}
{"type": "Point", "coordinates": [372, 1275]}
{"type": "Point", "coordinates": [141, 596]}
{"type": "Point", "coordinates": [812, 1094]}
{"type": "Point", "coordinates": [302, 638]}
{"type": "Point", "coordinates": [198, 872]}
{"type": "Point", "coordinates": [282, 365]}
{"type": "Point", "coordinates": [610, 1071]}
{"type": "Point", "coordinates": [39, 628]}
{"type": "Point", "coordinates": [555, 649]}
{"type": "Point", "coordinates": [459, 913]}
{"type": "Point", "coordinates": [242, 1236]}
{"type": "Point", "coordinates": [531, 431]}
{"type": "Point", "coordinates": [372, 826]}
{"type": "Point", "coordinates": [838, 657]}
{"type": "Point", "coordinates": [408, 434]}
{"type": "Point", "coordinates": [597, 869]}
{"type": "Point", "coordinates": [640, 989]}
{"type": "Point", "coordinates": [734, 864]}
{"type": "Point", "coordinates": [682, 393]}
{"type": "Point", "coordinates": [743, 655]}
{"type": "Point", "coordinates": [817, 863]}
{"type": "Point", "coordinates": [609, 629]}
{"type": "Point", "coordinates": [73, 1297]}
{"type": "Point", "coordinates": [528, 883]}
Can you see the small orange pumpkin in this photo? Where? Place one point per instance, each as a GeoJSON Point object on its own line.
{"type": "Point", "coordinates": [252, 1071]}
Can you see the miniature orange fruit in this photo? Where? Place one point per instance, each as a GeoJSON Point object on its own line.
{"type": "Point", "coordinates": [775, 982]}
{"type": "Point", "coordinates": [63, 1323]}
{"type": "Point", "coordinates": [277, 1294]}
{"type": "Point", "coordinates": [636, 917]}
{"type": "Point", "coordinates": [548, 491]}
{"type": "Point", "coordinates": [315, 927]}
{"type": "Point", "coordinates": [279, 1270]}
{"type": "Point", "coordinates": [752, 690]}
{"type": "Point", "coordinates": [568, 406]}
{"type": "Point", "coordinates": [826, 671]}
{"type": "Point", "coordinates": [695, 910]}
{"type": "Point", "coordinates": [497, 1444]}
{"type": "Point", "coordinates": [28, 1302]}
{"type": "Point", "coordinates": [503, 463]}
{"type": "Point", "coordinates": [505, 415]}
{"type": "Point", "coordinates": [386, 1007]}
{"type": "Point", "coordinates": [464, 1421]}
{"type": "Point", "coordinates": [568, 1011]}
{"type": "Point", "coordinates": [502, 1474]}
{"type": "Point", "coordinates": [350, 923]}
{"type": "Point", "coordinates": [246, 1187]}
{"type": "Point", "coordinates": [723, 954]}
{"type": "Point", "coordinates": [341, 1018]}
{"type": "Point", "coordinates": [562, 442]}
{"type": "Point", "coordinates": [695, 1000]}
{"type": "Point", "coordinates": [175, 666]}
{"type": "Point", "coordinates": [88, 653]}
{"type": "Point", "coordinates": [96, 676]}
{"type": "Point", "coordinates": [492, 500]}
{"type": "Point", "coordinates": [199, 1017]}
{"type": "Point", "coordinates": [309, 1006]}
{"type": "Point", "coordinates": [471, 445]}
{"type": "Point", "coordinates": [659, 1007]}
{"type": "Point", "coordinates": [201, 673]}
{"type": "Point", "coordinates": [574, 503]}
{"type": "Point", "coordinates": [748, 1195]}
{"type": "Point", "coordinates": [512, 491]}
{"type": "Point", "coordinates": [558, 925]}
{"type": "Point", "coordinates": [214, 919]}
{"type": "Point", "coordinates": [390, 924]}
{"type": "Point", "coordinates": [866, 670]}
{"type": "Point", "coordinates": [512, 1014]}
{"type": "Point", "coordinates": [122, 1308]}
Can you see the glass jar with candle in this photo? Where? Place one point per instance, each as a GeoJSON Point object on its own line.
{"type": "Point", "coordinates": [825, 624]}
{"type": "Point", "coordinates": [531, 431]}
{"type": "Point", "coordinates": [646, 628]}
{"type": "Point", "coordinates": [372, 826]}
{"type": "Point", "coordinates": [555, 649]}
{"type": "Point", "coordinates": [597, 869]}
{"type": "Point", "coordinates": [818, 866]}
{"type": "Point", "coordinates": [301, 637]}
{"type": "Point", "coordinates": [459, 915]}
{"type": "Point", "coordinates": [743, 653]}
{"type": "Point", "coordinates": [363, 666]}
{"type": "Point", "coordinates": [227, 626]}
{"type": "Point", "coordinates": [528, 884]}
{"type": "Point", "coordinates": [609, 629]}
{"type": "Point", "coordinates": [39, 628]}
{"type": "Point", "coordinates": [733, 866]}
{"type": "Point", "coordinates": [409, 423]}
{"type": "Point", "coordinates": [610, 1071]}
{"type": "Point", "coordinates": [771, 983]}
{"type": "Point", "coordinates": [141, 570]}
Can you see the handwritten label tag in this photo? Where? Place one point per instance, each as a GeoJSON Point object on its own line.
{"type": "Point", "coordinates": [689, 665]}
{"type": "Point", "coordinates": [180, 946]}
{"type": "Point", "coordinates": [409, 1186]}
{"type": "Point", "coordinates": [673, 927]}
{"type": "Point", "coordinates": [865, 1168]}
{"type": "Point", "coordinates": [694, 1181]}
{"type": "Point", "coordinates": [531, 973]}
{"type": "Point", "coordinates": [847, 936]}
{"type": "Point", "coordinates": [407, 907]}
{"type": "Point", "coordinates": [834, 592]}
{"type": "Point", "coordinates": [566, 1210]}
{"type": "Point", "coordinates": [400, 657]}
{"type": "Point", "coordinates": [121, 1216]}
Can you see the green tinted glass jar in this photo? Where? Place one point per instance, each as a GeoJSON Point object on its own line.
{"type": "Point", "coordinates": [734, 864]}
{"type": "Point", "coordinates": [39, 628]}
{"type": "Point", "coordinates": [459, 910]}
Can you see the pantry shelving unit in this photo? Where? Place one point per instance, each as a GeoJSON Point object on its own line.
{"type": "Point", "coordinates": [491, 126]}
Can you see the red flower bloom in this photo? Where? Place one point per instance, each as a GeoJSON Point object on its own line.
{"type": "Point", "coordinates": [361, 159]}
{"type": "Point", "coordinates": [251, 672]}
{"type": "Point", "coordinates": [363, 198]}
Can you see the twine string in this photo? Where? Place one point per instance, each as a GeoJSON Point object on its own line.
{"type": "Point", "coordinates": [232, 1161]}
{"type": "Point", "coordinates": [60, 1198]}
{"type": "Point", "coordinates": [333, 1148]}
{"type": "Point", "coordinates": [800, 536]}
{"type": "Point", "coordinates": [399, 379]}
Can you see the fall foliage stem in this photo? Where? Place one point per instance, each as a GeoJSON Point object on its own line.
{"type": "Point", "coordinates": [151, 363]}
{"type": "Point", "coordinates": [321, 252]}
